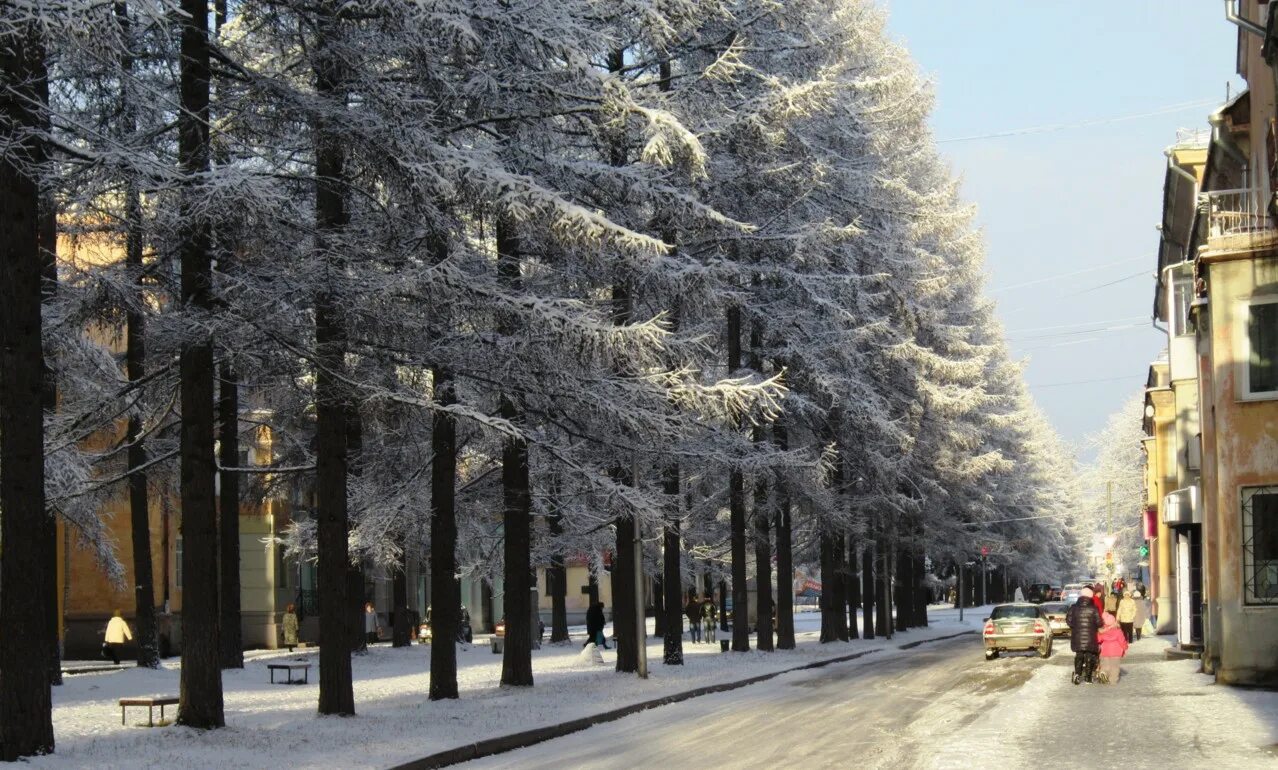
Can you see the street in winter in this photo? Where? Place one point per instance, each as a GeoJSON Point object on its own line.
{"type": "Point", "coordinates": [405, 384]}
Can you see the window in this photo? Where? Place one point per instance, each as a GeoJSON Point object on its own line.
{"type": "Point", "coordinates": [177, 562]}
{"type": "Point", "coordinates": [1262, 347]}
{"type": "Point", "coordinates": [1181, 298]}
{"type": "Point", "coordinates": [1260, 544]}
{"type": "Point", "coordinates": [1014, 612]}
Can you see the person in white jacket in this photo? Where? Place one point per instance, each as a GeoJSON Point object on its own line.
{"type": "Point", "coordinates": [117, 633]}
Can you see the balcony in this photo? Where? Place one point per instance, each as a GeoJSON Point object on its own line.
{"type": "Point", "coordinates": [1238, 221]}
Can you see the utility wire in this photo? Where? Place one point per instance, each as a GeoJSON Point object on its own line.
{"type": "Point", "coordinates": [1084, 271]}
{"type": "Point", "coordinates": [1171, 108]}
{"type": "Point", "coordinates": [1081, 382]}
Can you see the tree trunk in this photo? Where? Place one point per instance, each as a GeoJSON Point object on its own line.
{"type": "Point", "coordinates": [623, 596]}
{"type": "Point", "coordinates": [516, 665]}
{"type": "Point", "coordinates": [356, 579]}
{"type": "Point", "coordinates": [26, 727]}
{"type": "Point", "coordinates": [672, 573]}
{"type": "Point", "coordinates": [839, 588]}
{"type": "Point", "coordinates": [445, 603]}
{"type": "Point", "coordinates": [201, 680]}
{"type": "Point", "coordinates": [852, 588]}
{"type": "Point", "coordinates": [867, 589]}
{"type": "Point", "coordinates": [557, 575]}
{"type": "Point", "coordinates": [229, 515]}
{"type": "Point", "coordinates": [904, 590]}
{"type": "Point", "coordinates": [144, 629]}
{"type": "Point", "coordinates": [829, 607]}
{"type": "Point", "coordinates": [723, 602]}
{"type": "Point", "coordinates": [785, 555]}
{"type": "Point", "coordinates": [336, 692]}
{"type": "Point", "coordinates": [401, 629]}
{"type": "Point", "coordinates": [736, 507]}
{"type": "Point", "coordinates": [882, 576]}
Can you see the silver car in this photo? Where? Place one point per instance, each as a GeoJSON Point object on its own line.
{"type": "Point", "coordinates": [1017, 626]}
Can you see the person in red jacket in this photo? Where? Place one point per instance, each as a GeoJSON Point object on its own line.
{"type": "Point", "coordinates": [1113, 646]}
{"type": "Point", "coordinates": [1098, 597]}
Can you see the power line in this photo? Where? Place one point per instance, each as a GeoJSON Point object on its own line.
{"type": "Point", "coordinates": [1171, 108]}
{"type": "Point", "coordinates": [1078, 325]}
{"type": "Point", "coordinates": [1084, 271]}
{"type": "Point", "coordinates": [1081, 382]}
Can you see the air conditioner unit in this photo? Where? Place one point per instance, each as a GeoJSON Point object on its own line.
{"type": "Point", "coordinates": [1181, 507]}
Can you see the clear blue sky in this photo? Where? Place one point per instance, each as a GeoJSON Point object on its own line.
{"type": "Point", "coordinates": [1082, 200]}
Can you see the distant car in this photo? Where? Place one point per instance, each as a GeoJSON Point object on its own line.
{"type": "Point", "coordinates": [499, 637]}
{"type": "Point", "coordinates": [1037, 592]}
{"type": "Point", "coordinates": [1015, 627]}
{"type": "Point", "coordinates": [1055, 612]}
{"type": "Point", "coordinates": [1054, 594]}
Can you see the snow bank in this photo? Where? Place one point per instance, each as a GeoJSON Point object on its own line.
{"type": "Point", "coordinates": [273, 725]}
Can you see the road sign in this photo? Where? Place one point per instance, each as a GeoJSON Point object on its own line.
{"type": "Point", "coordinates": [1144, 551]}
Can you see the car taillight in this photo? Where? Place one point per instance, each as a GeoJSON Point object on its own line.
{"type": "Point", "coordinates": [989, 628]}
{"type": "Point", "coordinates": [1039, 628]}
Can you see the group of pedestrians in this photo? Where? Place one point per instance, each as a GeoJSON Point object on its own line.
{"type": "Point", "coordinates": [1103, 624]}
{"type": "Point", "coordinates": [703, 616]}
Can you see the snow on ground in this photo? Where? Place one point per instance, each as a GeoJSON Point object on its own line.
{"type": "Point", "coordinates": [273, 725]}
{"type": "Point", "coordinates": [1161, 714]}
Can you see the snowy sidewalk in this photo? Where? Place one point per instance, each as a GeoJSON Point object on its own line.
{"type": "Point", "coordinates": [1161, 714]}
{"type": "Point", "coordinates": [276, 725]}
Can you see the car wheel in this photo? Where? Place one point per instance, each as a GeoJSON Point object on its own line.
{"type": "Point", "coordinates": [1046, 650]}
{"type": "Point", "coordinates": [991, 654]}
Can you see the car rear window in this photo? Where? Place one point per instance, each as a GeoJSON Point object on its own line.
{"type": "Point", "coordinates": [1014, 612]}
{"type": "Point", "coordinates": [1053, 607]}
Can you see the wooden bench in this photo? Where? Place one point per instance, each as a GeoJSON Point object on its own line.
{"type": "Point", "coordinates": [150, 703]}
{"type": "Point", "coordinates": [305, 668]}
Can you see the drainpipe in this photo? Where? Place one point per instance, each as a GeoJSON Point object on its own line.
{"type": "Point", "coordinates": [1233, 13]}
{"type": "Point", "coordinates": [1171, 166]}
{"type": "Point", "coordinates": [1222, 137]}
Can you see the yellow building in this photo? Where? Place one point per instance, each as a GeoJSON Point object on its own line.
{"type": "Point", "coordinates": [1233, 312]}
{"type": "Point", "coordinates": [87, 598]}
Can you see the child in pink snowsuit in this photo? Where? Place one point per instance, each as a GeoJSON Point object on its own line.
{"type": "Point", "coordinates": [1113, 646]}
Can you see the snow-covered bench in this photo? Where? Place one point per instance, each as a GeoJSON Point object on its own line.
{"type": "Point", "coordinates": [150, 703]}
{"type": "Point", "coordinates": [305, 668]}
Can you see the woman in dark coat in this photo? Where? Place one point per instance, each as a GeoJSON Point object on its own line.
{"type": "Point", "coordinates": [1084, 623]}
{"type": "Point", "coordinates": [595, 625]}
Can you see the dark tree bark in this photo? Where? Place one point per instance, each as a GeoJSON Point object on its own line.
{"type": "Point", "coordinates": [356, 637]}
{"type": "Point", "coordinates": [867, 589]}
{"type": "Point", "coordinates": [659, 605]}
{"type": "Point", "coordinates": [144, 630]}
{"type": "Point", "coordinates": [516, 664]}
{"type": "Point", "coordinates": [401, 629]}
{"type": "Point", "coordinates": [829, 576]}
{"type": "Point", "coordinates": [839, 587]}
{"type": "Point", "coordinates": [852, 588]}
{"type": "Point", "coordinates": [736, 507]}
{"type": "Point", "coordinates": [336, 692]}
{"type": "Point", "coordinates": [785, 552]}
{"type": "Point", "coordinates": [229, 516]}
{"type": "Point", "coordinates": [672, 578]}
{"type": "Point", "coordinates": [882, 573]}
{"type": "Point", "coordinates": [920, 583]}
{"type": "Point", "coordinates": [723, 602]}
{"type": "Point", "coordinates": [201, 681]}
{"type": "Point", "coordinates": [762, 521]}
{"type": "Point", "coordinates": [26, 571]}
{"type": "Point", "coordinates": [445, 603]}
{"type": "Point", "coordinates": [557, 575]}
{"type": "Point", "coordinates": [905, 591]}
{"type": "Point", "coordinates": [48, 293]}
{"type": "Point", "coordinates": [623, 597]}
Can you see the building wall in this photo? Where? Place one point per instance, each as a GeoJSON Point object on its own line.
{"type": "Point", "coordinates": [1245, 439]}
{"type": "Point", "coordinates": [1162, 459]}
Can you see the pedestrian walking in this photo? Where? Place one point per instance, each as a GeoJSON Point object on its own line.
{"type": "Point", "coordinates": [1111, 603]}
{"type": "Point", "coordinates": [693, 611]}
{"type": "Point", "coordinates": [1142, 615]}
{"type": "Point", "coordinates": [290, 627]}
{"type": "Point", "coordinates": [117, 633]}
{"type": "Point", "coordinates": [595, 625]}
{"type": "Point", "coordinates": [370, 622]}
{"type": "Point", "coordinates": [1098, 597]}
{"type": "Point", "coordinates": [709, 619]}
{"type": "Point", "coordinates": [1084, 622]}
{"type": "Point", "coordinates": [1113, 646]}
{"type": "Point", "coordinates": [465, 634]}
{"type": "Point", "coordinates": [1126, 615]}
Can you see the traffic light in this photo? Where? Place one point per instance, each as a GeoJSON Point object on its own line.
{"type": "Point", "coordinates": [1109, 557]}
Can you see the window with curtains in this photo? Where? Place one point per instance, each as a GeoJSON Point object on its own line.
{"type": "Point", "coordinates": [1262, 347]}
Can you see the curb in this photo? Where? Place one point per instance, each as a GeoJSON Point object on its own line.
{"type": "Point", "coordinates": [503, 743]}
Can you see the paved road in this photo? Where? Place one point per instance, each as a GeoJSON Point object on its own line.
{"type": "Point", "coordinates": [888, 712]}
{"type": "Point", "coordinates": [942, 706]}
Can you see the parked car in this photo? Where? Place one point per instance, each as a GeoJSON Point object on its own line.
{"type": "Point", "coordinates": [1055, 612]}
{"type": "Point", "coordinates": [1017, 626]}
